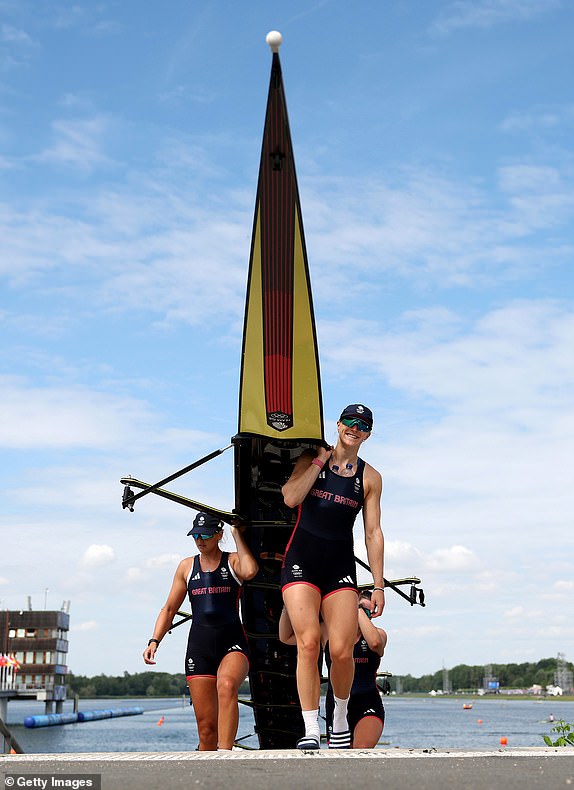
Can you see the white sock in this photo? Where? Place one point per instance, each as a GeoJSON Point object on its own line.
{"type": "Point", "coordinates": [311, 720]}
{"type": "Point", "coordinates": [340, 715]}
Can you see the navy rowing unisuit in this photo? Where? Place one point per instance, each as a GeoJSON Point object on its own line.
{"type": "Point", "coordinates": [216, 628]}
{"type": "Point", "coordinates": [365, 699]}
{"type": "Point", "coordinates": [320, 551]}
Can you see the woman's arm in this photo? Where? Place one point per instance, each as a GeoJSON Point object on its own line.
{"type": "Point", "coordinates": [374, 539]}
{"type": "Point", "coordinates": [170, 609]}
{"type": "Point", "coordinates": [375, 637]}
{"type": "Point", "coordinates": [242, 561]}
{"type": "Point", "coordinates": [304, 475]}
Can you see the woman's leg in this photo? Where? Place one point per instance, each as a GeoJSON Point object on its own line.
{"type": "Point", "coordinates": [340, 615]}
{"type": "Point", "coordinates": [230, 675]}
{"type": "Point", "coordinates": [303, 603]}
{"type": "Point", "coordinates": [203, 692]}
{"type": "Point", "coordinates": [367, 732]}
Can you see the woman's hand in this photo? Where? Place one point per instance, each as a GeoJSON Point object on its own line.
{"type": "Point", "coordinates": [377, 602]}
{"type": "Point", "coordinates": [324, 453]}
{"type": "Point", "coordinates": [149, 653]}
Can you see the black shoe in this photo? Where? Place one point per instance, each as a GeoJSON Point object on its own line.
{"type": "Point", "coordinates": [308, 743]}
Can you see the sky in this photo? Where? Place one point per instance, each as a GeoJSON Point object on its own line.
{"type": "Point", "coordinates": [433, 146]}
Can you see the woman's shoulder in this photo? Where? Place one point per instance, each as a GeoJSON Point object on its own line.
{"type": "Point", "coordinates": [372, 477]}
{"type": "Point", "coordinates": [186, 564]}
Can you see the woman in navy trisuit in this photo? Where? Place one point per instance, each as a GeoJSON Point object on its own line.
{"type": "Point", "coordinates": [365, 713]}
{"type": "Point", "coordinates": [216, 661]}
{"type": "Point", "coordinates": [329, 487]}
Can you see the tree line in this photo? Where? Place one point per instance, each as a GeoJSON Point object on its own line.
{"type": "Point", "coordinates": [139, 684]}
{"type": "Point", "coordinates": [470, 678]}
{"type": "Point", "coordinates": [462, 678]}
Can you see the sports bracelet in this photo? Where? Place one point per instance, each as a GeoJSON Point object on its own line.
{"type": "Point", "coordinates": [153, 640]}
{"type": "Point", "coordinates": [382, 589]}
{"type": "Point", "coordinates": [318, 463]}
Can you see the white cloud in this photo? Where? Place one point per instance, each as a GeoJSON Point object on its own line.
{"type": "Point", "coordinates": [135, 575]}
{"type": "Point", "coordinates": [87, 625]}
{"type": "Point", "coordinates": [16, 47]}
{"type": "Point", "coordinates": [455, 558]}
{"type": "Point", "coordinates": [163, 561]}
{"type": "Point", "coordinates": [36, 416]}
{"type": "Point", "coordinates": [97, 556]}
{"type": "Point", "coordinates": [539, 118]}
{"type": "Point", "coordinates": [462, 14]}
{"type": "Point", "coordinates": [78, 143]}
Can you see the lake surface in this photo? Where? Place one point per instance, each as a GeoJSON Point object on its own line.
{"type": "Point", "coordinates": [410, 723]}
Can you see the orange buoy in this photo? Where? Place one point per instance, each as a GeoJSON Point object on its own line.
{"type": "Point", "coordinates": [479, 721]}
{"type": "Point", "coordinates": [161, 721]}
{"type": "Point", "coordinates": [503, 740]}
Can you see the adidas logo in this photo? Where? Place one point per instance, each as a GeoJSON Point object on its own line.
{"type": "Point", "coordinates": [371, 710]}
{"type": "Point", "coordinates": [234, 647]}
{"type": "Point", "coordinates": [196, 577]}
{"type": "Point", "coordinates": [346, 580]}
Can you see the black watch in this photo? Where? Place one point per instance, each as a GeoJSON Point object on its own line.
{"type": "Point", "coordinates": [153, 640]}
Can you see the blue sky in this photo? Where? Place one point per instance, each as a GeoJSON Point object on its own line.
{"type": "Point", "coordinates": [433, 143]}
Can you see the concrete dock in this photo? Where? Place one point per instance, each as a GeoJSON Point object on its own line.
{"type": "Point", "coordinates": [420, 769]}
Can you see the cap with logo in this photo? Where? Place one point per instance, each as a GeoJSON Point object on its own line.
{"type": "Point", "coordinates": [206, 524]}
{"type": "Point", "coordinates": [358, 410]}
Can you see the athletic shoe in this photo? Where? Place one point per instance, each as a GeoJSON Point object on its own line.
{"type": "Point", "coordinates": [340, 740]}
{"type": "Point", "coordinates": [308, 743]}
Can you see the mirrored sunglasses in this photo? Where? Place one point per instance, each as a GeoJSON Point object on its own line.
{"type": "Point", "coordinates": [351, 422]}
{"type": "Point", "coordinates": [202, 535]}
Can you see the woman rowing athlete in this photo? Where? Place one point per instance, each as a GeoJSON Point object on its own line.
{"type": "Point", "coordinates": [216, 661]}
{"type": "Point", "coordinates": [329, 488]}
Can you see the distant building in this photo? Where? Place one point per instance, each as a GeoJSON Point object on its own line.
{"type": "Point", "coordinates": [563, 675]}
{"type": "Point", "coordinates": [490, 683]}
{"type": "Point", "coordinates": [38, 640]}
{"type": "Point", "coordinates": [446, 684]}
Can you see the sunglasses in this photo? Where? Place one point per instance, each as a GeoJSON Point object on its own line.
{"type": "Point", "coordinates": [202, 535]}
{"type": "Point", "coordinates": [351, 422]}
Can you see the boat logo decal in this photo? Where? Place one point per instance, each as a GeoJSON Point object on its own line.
{"type": "Point", "coordinates": [279, 420]}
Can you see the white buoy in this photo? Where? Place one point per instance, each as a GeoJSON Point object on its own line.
{"type": "Point", "coordinates": [274, 39]}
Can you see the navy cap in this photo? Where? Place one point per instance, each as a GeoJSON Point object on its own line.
{"type": "Point", "coordinates": [358, 410]}
{"type": "Point", "coordinates": [206, 524]}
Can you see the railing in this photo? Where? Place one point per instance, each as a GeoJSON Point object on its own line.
{"type": "Point", "coordinates": [8, 673]}
{"type": "Point", "coordinates": [8, 742]}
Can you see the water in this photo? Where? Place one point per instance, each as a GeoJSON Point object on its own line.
{"type": "Point", "coordinates": [410, 723]}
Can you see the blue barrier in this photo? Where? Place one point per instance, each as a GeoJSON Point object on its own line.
{"type": "Point", "coordinates": [109, 713]}
{"type": "Point", "coordinates": [51, 719]}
